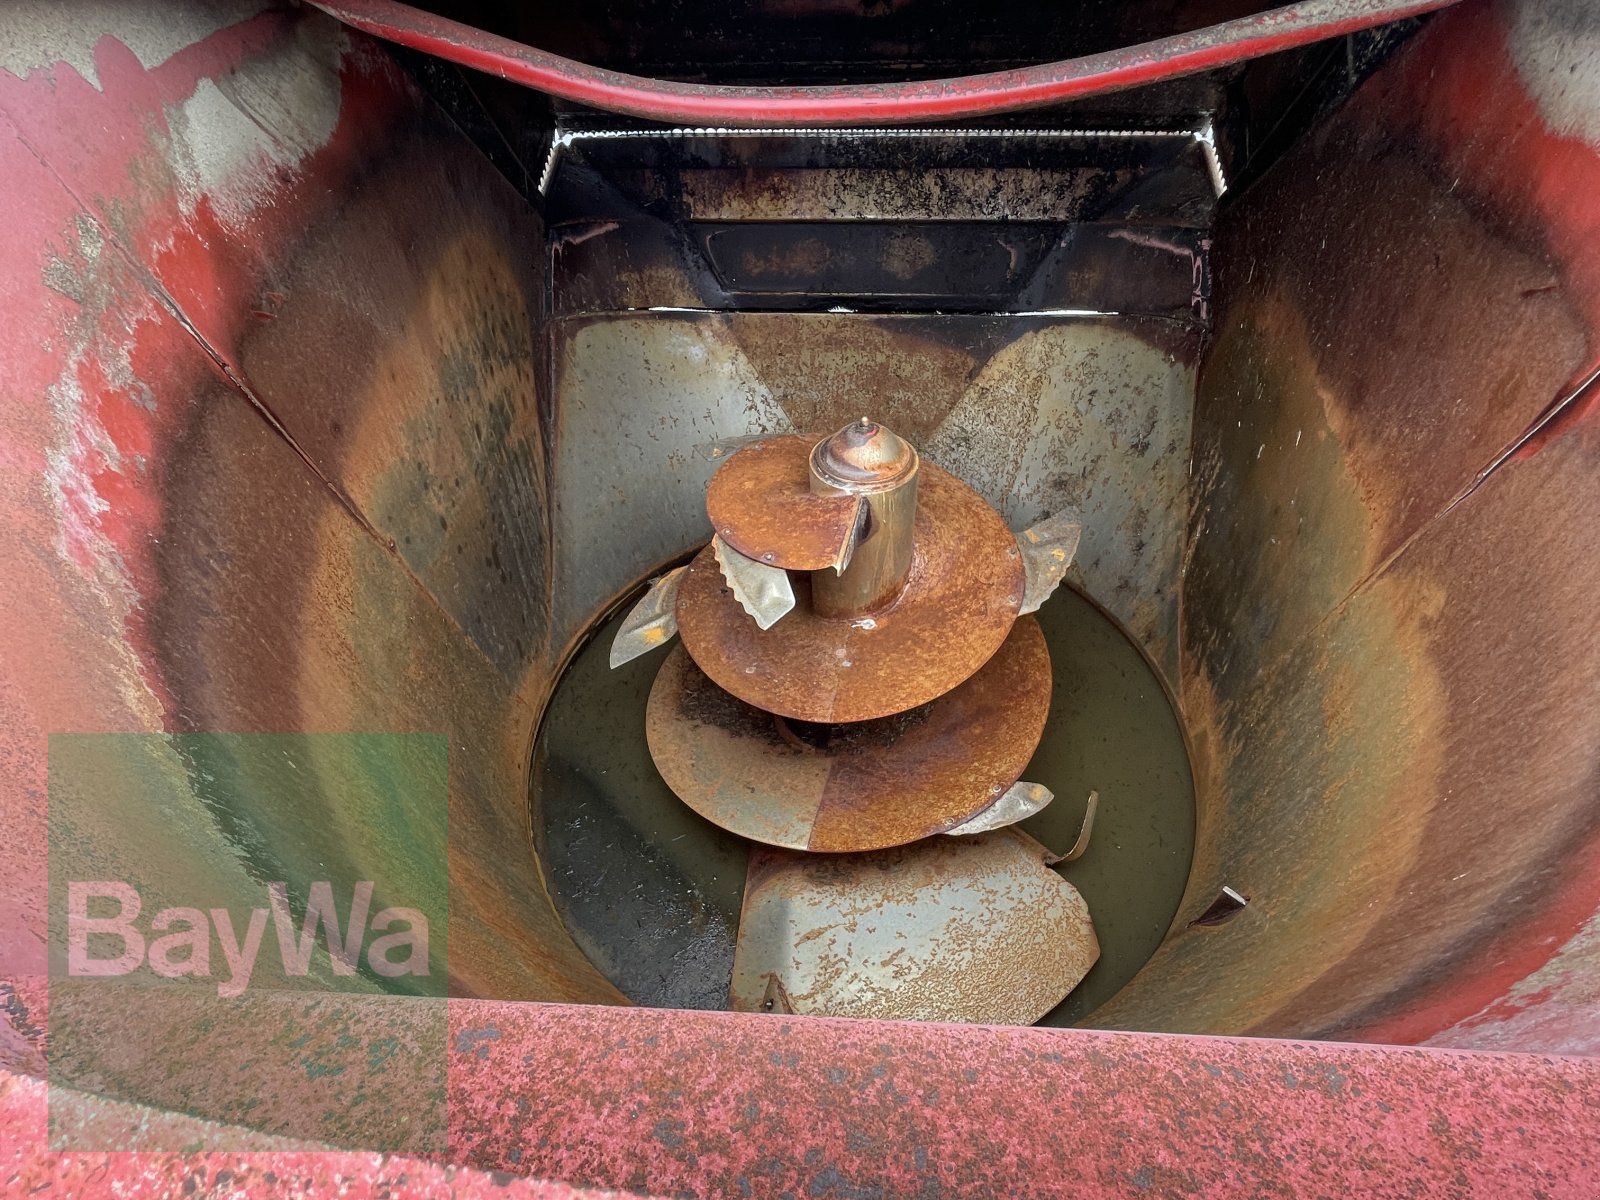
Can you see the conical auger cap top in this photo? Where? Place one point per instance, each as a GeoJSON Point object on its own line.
{"type": "Point", "coordinates": [862, 458]}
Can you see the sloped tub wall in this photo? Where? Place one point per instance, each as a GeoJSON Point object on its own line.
{"type": "Point", "coordinates": [1391, 663]}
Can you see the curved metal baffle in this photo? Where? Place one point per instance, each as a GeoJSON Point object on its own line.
{"type": "Point", "coordinates": [952, 929]}
{"type": "Point", "coordinates": [859, 786]}
{"type": "Point", "coordinates": [964, 589]}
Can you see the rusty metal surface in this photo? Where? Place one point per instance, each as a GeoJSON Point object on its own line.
{"type": "Point", "coordinates": [971, 929]}
{"type": "Point", "coordinates": [633, 400]}
{"type": "Point", "coordinates": [1040, 409]}
{"type": "Point", "coordinates": [1048, 409]}
{"type": "Point", "coordinates": [634, 262]}
{"type": "Point", "coordinates": [958, 605]}
{"type": "Point", "coordinates": [225, 380]}
{"type": "Point", "coordinates": [1026, 176]}
{"type": "Point", "coordinates": [403, 358]}
{"type": "Point", "coordinates": [171, 552]}
{"type": "Point", "coordinates": [864, 786]}
{"type": "Point", "coordinates": [250, 592]}
{"type": "Point", "coordinates": [379, 338]}
{"type": "Point", "coordinates": [328, 305]}
{"type": "Point", "coordinates": [882, 193]}
{"type": "Point", "coordinates": [1092, 417]}
{"type": "Point", "coordinates": [761, 503]}
{"type": "Point", "coordinates": [1038, 414]}
{"type": "Point", "coordinates": [1390, 654]}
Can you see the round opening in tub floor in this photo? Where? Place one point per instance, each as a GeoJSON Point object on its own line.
{"type": "Point", "coordinates": [651, 892]}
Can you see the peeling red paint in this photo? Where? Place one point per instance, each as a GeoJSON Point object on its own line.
{"type": "Point", "coordinates": [270, 1166]}
{"type": "Point", "coordinates": [719, 1104]}
{"type": "Point", "coordinates": [1476, 110]}
{"type": "Point", "coordinates": [1490, 130]}
{"type": "Point", "coordinates": [103, 251]}
{"type": "Point", "coordinates": [1477, 992]}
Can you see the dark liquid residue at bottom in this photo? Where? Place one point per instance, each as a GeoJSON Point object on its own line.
{"type": "Point", "coordinates": [651, 891]}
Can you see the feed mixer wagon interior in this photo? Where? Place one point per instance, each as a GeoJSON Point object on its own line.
{"type": "Point", "coordinates": [1121, 560]}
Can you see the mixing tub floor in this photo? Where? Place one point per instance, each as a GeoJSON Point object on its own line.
{"type": "Point", "coordinates": [651, 891]}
